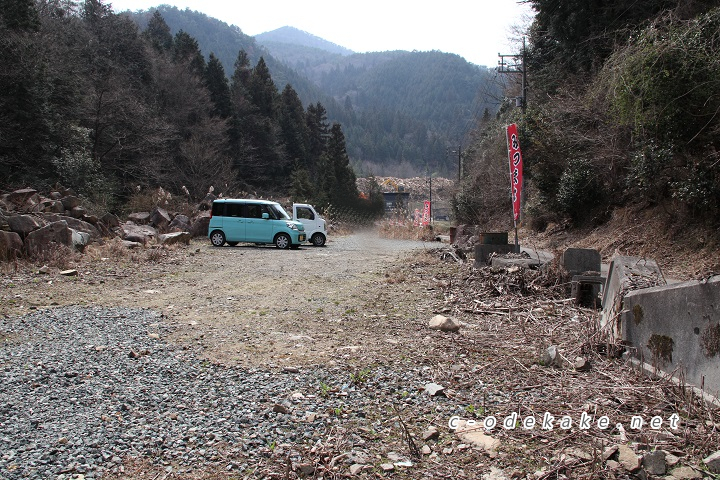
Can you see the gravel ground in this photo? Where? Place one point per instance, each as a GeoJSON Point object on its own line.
{"type": "Point", "coordinates": [84, 388]}
{"type": "Point", "coordinates": [251, 362]}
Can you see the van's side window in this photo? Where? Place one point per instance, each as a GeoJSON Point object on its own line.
{"type": "Point", "coordinates": [218, 209]}
{"type": "Point", "coordinates": [234, 210]}
{"type": "Point", "coordinates": [254, 211]}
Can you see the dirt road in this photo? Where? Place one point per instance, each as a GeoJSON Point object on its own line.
{"type": "Point", "coordinates": [252, 305]}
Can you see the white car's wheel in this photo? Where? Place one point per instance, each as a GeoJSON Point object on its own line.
{"type": "Point", "coordinates": [318, 240]}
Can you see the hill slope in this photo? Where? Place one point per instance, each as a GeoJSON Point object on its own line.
{"type": "Point", "coordinates": [400, 111]}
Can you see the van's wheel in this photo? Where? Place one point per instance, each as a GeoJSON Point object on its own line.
{"type": "Point", "coordinates": [217, 238]}
{"type": "Point", "coordinates": [282, 240]}
{"type": "Point", "coordinates": [318, 240]}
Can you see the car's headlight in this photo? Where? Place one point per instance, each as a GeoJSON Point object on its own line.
{"type": "Point", "coordinates": [291, 225]}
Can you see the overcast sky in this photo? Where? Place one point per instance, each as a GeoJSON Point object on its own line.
{"type": "Point", "coordinates": [475, 29]}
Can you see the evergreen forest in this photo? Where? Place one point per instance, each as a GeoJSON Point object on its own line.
{"type": "Point", "coordinates": [91, 101]}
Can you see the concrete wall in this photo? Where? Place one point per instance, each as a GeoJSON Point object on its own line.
{"type": "Point", "coordinates": [625, 274]}
{"type": "Point", "coordinates": [676, 328]}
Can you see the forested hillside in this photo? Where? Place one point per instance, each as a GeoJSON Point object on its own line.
{"type": "Point", "coordinates": [400, 111]}
{"type": "Point", "coordinates": [90, 101]}
{"type": "Point", "coordinates": [622, 110]}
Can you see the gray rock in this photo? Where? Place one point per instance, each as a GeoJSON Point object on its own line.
{"type": "Point", "coordinates": [434, 390]}
{"type": "Point", "coordinates": [686, 473]}
{"type": "Point", "coordinates": [181, 223]}
{"type": "Point", "coordinates": [76, 224]}
{"type": "Point", "coordinates": [444, 324]}
{"type": "Point", "coordinates": [24, 224]}
{"type": "Point", "coordinates": [20, 197]}
{"type": "Point", "coordinates": [139, 218]}
{"type": "Point", "coordinates": [70, 202]}
{"type": "Point", "coordinates": [628, 459]}
{"type": "Point", "coordinates": [11, 245]}
{"type": "Point", "coordinates": [654, 463]}
{"type": "Point", "coordinates": [581, 364]}
{"type": "Point", "coordinates": [174, 238]}
{"type": "Point", "coordinates": [495, 474]}
{"type": "Point", "coordinates": [77, 212]}
{"type": "Point", "coordinates": [431, 433]}
{"type": "Point", "coordinates": [57, 233]}
{"type": "Point", "coordinates": [551, 357]}
{"type": "Point", "coordinates": [110, 220]}
{"type": "Point", "coordinates": [200, 224]}
{"type": "Point", "coordinates": [160, 218]}
{"type": "Point", "coordinates": [137, 233]}
{"type": "Point", "coordinates": [713, 462]}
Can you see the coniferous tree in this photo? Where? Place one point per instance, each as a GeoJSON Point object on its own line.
{"type": "Point", "coordinates": [316, 119]}
{"type": "Point", "coordinates": [158, 33]}
{"type": "Point", "coordinates": [241, 122]}
{"type": "Point", "coordinates": [293, 129]}
{"type": "Point", "coordinates": [19, 15]}
{"type": "Point", "coordinates": [217, 83]}
{"type": "Point", "coordinates": [343, 189]}
{"type": "Point", "coordinates": [186, 50]}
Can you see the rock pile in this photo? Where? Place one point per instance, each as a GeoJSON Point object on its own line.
{"type": "Point", "coordinates": [31, 223]}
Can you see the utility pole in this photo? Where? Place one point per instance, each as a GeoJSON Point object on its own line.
{"type": "Point", "coordinates": [459, 154]}
{"type": "Point", "coordinates": [515, 64]}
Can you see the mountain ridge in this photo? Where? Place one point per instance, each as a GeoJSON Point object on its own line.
{"type": "Point", "coordinates": [295, 36]}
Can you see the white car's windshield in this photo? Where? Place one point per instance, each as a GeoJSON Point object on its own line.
{"type": "Point", "coordinates": [280, 213]}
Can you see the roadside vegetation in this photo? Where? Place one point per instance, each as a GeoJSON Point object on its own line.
{"type": "Point", "coordinates": [621, 113]}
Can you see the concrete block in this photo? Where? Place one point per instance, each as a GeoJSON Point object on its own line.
{"type": "Point", "coordinates": [625, 275]}
{"type": "Point", "coordinates": [493, 238]}
{"type": "Point", "coordinates": [483, 252]}
{"type": "Point", "coordinates": [586, 290]}
{"type": "Point", "coordinates": [676, 328]}
{"type": "Point", "coordinates": [580, 260]}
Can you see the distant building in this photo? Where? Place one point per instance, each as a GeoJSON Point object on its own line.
{"type": "Point", "coordinates": [395, 200]}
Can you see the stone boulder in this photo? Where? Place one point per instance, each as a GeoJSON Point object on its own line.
{"type": "Point", "coordinates": [110, 220]}
{"type": "Point", "coordinates": [11, 245]}
{"type": "Point", "coordinates": [174, 238]}
{"type": "Point", "coordinates": [19, 198]}
{"type": "Point", "coordinates": [139, 218]}
{"type": "Point", "coordinates": [77, 224]}
{"type": "Point", "coordinates": [181, 223]}
{"type": "Point", "coordinates": [137, 233]}
{"type": "Point", "coordinates": [70, 202]}
{"type": "Point", "coordinates": [24, 224]}
{"type": "Point", "coordinates": [444, 324]}
{"type": "Point", "coordinates": [200, 225]}
{"type": "Point", "coordinates": [77, 212]}
{"type": "Point", "coordinates": [55, 233]}
{"type": "Point", "coordinates": [52, 206]}
{"type": "Point", "coordinates": [160, 219]}
{"type": "Point", "coordinates": [206, 203]}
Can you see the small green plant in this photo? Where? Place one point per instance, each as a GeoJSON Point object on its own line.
{"type": "Point", "coordinates": [324, 389]}
{"type": "Point", "coordinates": [337, 411]}
{"type": "Point", "coordinates": [360, 377]}
{"type": "Point", "coordinates": [350, 311]}
{"type": "Point", "coordinates": [272, 445]}
{"type": "Point", "coordinates": [474, 411]}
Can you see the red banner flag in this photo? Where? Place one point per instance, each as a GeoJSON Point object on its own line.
{"type": "Point", "coordinates": [516, 170]}
{"type": "Point", "coordinates": [426, 213]}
